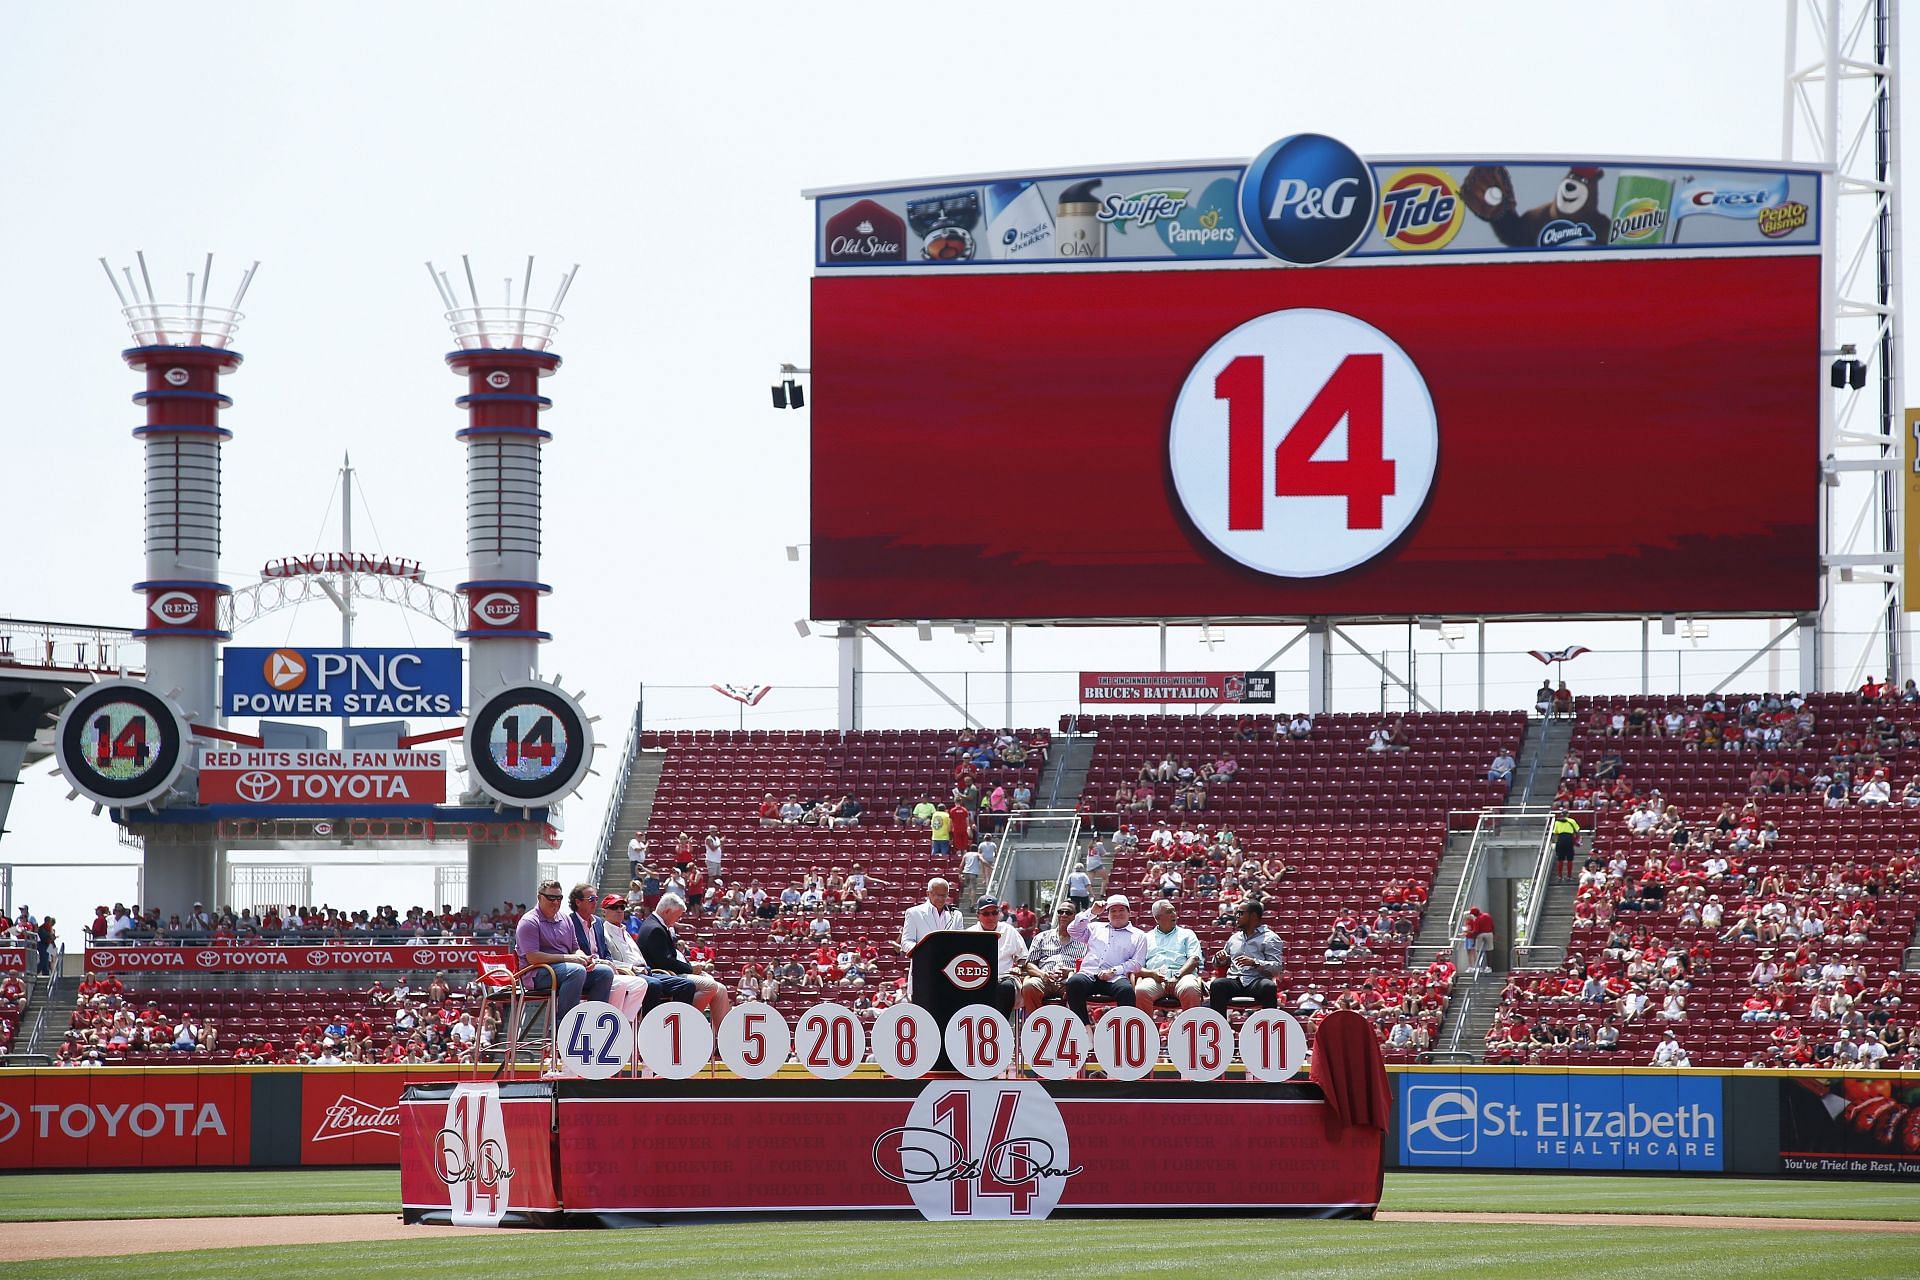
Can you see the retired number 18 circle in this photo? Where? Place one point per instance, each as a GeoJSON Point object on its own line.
{"type": "Point", "coordinates": [1303, 443]}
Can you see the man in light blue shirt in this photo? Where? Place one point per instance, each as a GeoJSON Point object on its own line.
{"type": "Point", "coordinates": [1172, 966]}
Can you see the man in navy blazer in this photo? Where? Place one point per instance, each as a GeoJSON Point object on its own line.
{"type": "Point", "coordinates": [616, 944]}
{"type": "Point", "coordinates": [661, 950]}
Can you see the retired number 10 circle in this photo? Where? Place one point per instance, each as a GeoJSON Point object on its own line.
{"type": "Point", "coordinates": [1303, 443]}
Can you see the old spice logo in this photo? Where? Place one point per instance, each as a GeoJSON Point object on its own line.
{"type": "Point", "coordinates": [866, 232]}
{"type": "Point", "coordinates": [497, 609]}
{"type": "Point", "coordinates": [349, 1117]}
{"type": "Point", "coordinates": [969, 973]}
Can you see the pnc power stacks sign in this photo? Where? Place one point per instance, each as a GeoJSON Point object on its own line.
{"type": "Point", "coordinates": [1322, 384]}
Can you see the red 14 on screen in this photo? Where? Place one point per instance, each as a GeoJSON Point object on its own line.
{"type": "Point", "coordinates": [1303, 443]}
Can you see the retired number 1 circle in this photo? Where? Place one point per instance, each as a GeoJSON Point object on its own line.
{"type": "Point", "coordinates": [1303, 443]}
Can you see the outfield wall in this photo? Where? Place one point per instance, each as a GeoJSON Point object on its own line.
{"type": "Point", "coordinates": [1580, 1118]}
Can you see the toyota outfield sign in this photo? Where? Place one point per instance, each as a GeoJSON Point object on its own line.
{"type": "Point", "coordinates": [257, 776]}
{"type": "Point", "coordinates": [340, 682]}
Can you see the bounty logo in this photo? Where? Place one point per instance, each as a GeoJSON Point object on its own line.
{"type": "Point", "coordinates": [285, 670]}
{"type": "Point", "coordinates": [1446, 1120]}
{"type": "Point", "coordinates": [1143, 208]}
{"type": "Point", "coordinates": [1209, 227]}
{"type": "Point", "coordinates": [1420, 209]}
{"type": "Point", "coordinates": [1307, 199]}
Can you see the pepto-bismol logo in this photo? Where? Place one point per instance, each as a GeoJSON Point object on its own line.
{"type": "Point", "coordinates": [1308, 199]}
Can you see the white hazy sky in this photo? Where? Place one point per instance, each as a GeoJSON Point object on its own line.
{"type": "Point", "coordinates": [663, 147]}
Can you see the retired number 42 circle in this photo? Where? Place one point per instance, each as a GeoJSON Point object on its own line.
{"type": "Point", "coordinates": [1303, 443]}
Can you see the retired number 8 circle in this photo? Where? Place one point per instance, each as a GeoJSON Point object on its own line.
{"type": "Point", "coordinates": [1303, 443]}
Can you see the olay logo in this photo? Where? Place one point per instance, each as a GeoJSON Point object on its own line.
{"type": "Point", "coordinates": [349, 1117]}
{"type": "Point", "coordinates": [866, 232]}
{"type": "Point", "coordinates": [175, 608]}
{"type": "Point", "coordinates": [497, 609]}
{"type": "Point", "coordinates": [969, 973]}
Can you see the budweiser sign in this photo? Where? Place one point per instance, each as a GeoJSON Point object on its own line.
{"type": "Point", "coordinates": [261, 959]}
{"type": "Point", "coordinates": [349, 1117]}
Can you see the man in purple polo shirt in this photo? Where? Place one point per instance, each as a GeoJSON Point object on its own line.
{"type": "Point", "coordinates": [546, 936]}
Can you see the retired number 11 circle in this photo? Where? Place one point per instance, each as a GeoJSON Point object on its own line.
{"type": "Point", "coordinates": [1303, 443]}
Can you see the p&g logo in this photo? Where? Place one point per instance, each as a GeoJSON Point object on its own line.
{"type": "Point", "coordinates": [1443, 1120]}
{"type": "Point", "coordinates": [1307, 199]}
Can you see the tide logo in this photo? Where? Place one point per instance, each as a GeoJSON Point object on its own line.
{"type": "Point", "coordinates": [1420, 210]}
{"type": "Point", "coordinates": [969, 973]}
{"type": "Point", "coordinates": [497, 609]}
{"type": "Point", "coordinates": [285, 670]}
{"type": "Point", "coordinates": [175, 608]}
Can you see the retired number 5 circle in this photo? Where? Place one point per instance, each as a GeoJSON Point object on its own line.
{"type": "Point", "coordinates": [1303, 443]}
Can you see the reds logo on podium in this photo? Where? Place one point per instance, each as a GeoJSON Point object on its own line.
{"type": "Point", "coordinates": [969, 973]}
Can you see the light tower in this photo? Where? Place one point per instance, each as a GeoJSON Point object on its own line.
{"type": "Point", "coordinates": [182, 348]}
{"type": "Point", "coordinates": [502, 351]}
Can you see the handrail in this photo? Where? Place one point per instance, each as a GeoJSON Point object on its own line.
{"type": "Point", "coordinates": [1060, 765]}
{"type": "Point", "coordinates": [1002, 864]}
{"type": "Point", "coordinates": [1533, 770]}
{"type": "Point", "coordinates": [616, 798]}
{"type": "Point", "coordinates": [53, 981]}
{"type": "Point", "coordinates": [1537, 897]}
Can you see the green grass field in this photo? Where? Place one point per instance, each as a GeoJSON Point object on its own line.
{"type": "Point", "coordinates": [1077, 1248]}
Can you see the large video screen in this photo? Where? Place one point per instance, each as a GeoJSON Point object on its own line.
{"type": "Point", "coordinates": [1615, 436]}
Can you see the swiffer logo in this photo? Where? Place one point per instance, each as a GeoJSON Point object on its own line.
{"type": "Point", "coordinates": [969, 973]}
{"type": "Point", "coordinates": [1448, 1119]}
{"type": "Point", "coordinates": [175, 608]}
{"type": "Point", "coordinates": [497, 609]}
{"type": "Point", "coordinates": [1308, 199]}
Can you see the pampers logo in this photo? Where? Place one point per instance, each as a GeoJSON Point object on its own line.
{"type": "Point", "coordinates": [1209, 227]}
{"type": "Point", "coordinates": [1307, 199]}
{"type": "Point", "coordinates": [1443, 1120]}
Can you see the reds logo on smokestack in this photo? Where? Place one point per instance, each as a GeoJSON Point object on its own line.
{"type": "Point", "coordinates": [969, 973]}
{"type": "Point", "coordinates": [174, 608]}
{"type": "Point", "coordinates": [497, 609]}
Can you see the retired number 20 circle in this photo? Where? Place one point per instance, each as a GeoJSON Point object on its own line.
{"type": "Point", "coordinates": [1303, 443]}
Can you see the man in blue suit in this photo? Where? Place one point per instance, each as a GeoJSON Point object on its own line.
{"type": "Point", "coordinates": [661, 951]}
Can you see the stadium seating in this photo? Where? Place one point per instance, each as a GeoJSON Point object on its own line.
{"type": "Point", "coordinates": [1844, 861]}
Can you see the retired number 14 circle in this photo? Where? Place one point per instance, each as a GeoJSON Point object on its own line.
{"type": "Point", "coordinates": [1303, 443]}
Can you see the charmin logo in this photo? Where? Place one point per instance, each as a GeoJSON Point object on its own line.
{"type": "Point", "coordinates": [1307, 199]}
{"type": "Point", "coordinates": [497, 609]}
{"type": "Point", "coordinates": [1143, 208]}
{"type": "Point", "coordinates": [1449, 1122]}
{"type": "Point", "coordinates": [285, 670]}
{"type": "Point", "coordinates": [969, 973]}
{"type": "Point", "coordinates": [1562, 232]}
{"type": "Point", "coordinates": [9, 1122]}
{"type": "Point", "coordinates": [207, 959]}
{"type": "Point", "coordinates": [176, 377]}
{"type": "Point", "coordinates": [175, 608]}
{"type": "Point", "coordinates": [257, 786]}
{"type": "Point", "coordinates": [1781, 219]}
{"type": "Point", "coordinates": [499, 379]}
{"type": "Point", "coordinates": [1420, 209]}
{"type": "Point", "coordinates": [349, 1117]}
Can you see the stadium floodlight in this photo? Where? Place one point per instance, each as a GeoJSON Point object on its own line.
{"type": "Point", "coordinates": [1668, 624]}
{"type": "Point", "coordinates": [924, 630]}
{"type": "Point", "coordinates": [1430, 623]}
{"type": "Point", "coordinates": [800, 625]}
{"type": "Point", "coordinates": [1847, 375]}
{"type": "Point", "coordinates": [793, 551]}
{"type": "Point", "coordinates": [788, 393]}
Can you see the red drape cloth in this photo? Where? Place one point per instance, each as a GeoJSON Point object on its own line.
{"type": "Point", "coordinates": [1349, 1070]}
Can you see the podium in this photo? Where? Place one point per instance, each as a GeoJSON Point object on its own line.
{"type": "Point", "coordinates": [949, 970]}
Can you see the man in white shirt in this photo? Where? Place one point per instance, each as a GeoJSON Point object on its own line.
{"type": "Point", "coordinates": [1670, 1054]}
{"type": "Point", "coordinates": [636, 856]}
{"type": "Point", "coordinates": [928, 917]}
{"type": "Point", "coordinates": [1080, 887]}
{"type": "Point", "coordinates": [1012, 952]}
{"type": "Point", "coordinates": [1115, 952]}
{"type": "Point", "coordinates": [120, 926]}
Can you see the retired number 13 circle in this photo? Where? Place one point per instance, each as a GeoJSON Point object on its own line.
{"type": "Point", "coordinates": [1303, 443]}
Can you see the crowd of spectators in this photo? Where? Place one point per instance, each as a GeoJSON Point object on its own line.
{"type": "Point", "coordinates": [403, 1024]}
{"type": "Point", "coordinates": [301, 924]}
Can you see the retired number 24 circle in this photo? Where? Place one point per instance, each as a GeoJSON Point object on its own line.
{"type": "Point", "coordinates": [1303, 443]}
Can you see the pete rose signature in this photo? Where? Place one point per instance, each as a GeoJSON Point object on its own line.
{"type": "Point", "coordinates": [452, 1166]}
{"type": "Point", "coordinates": [932, 1155]}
